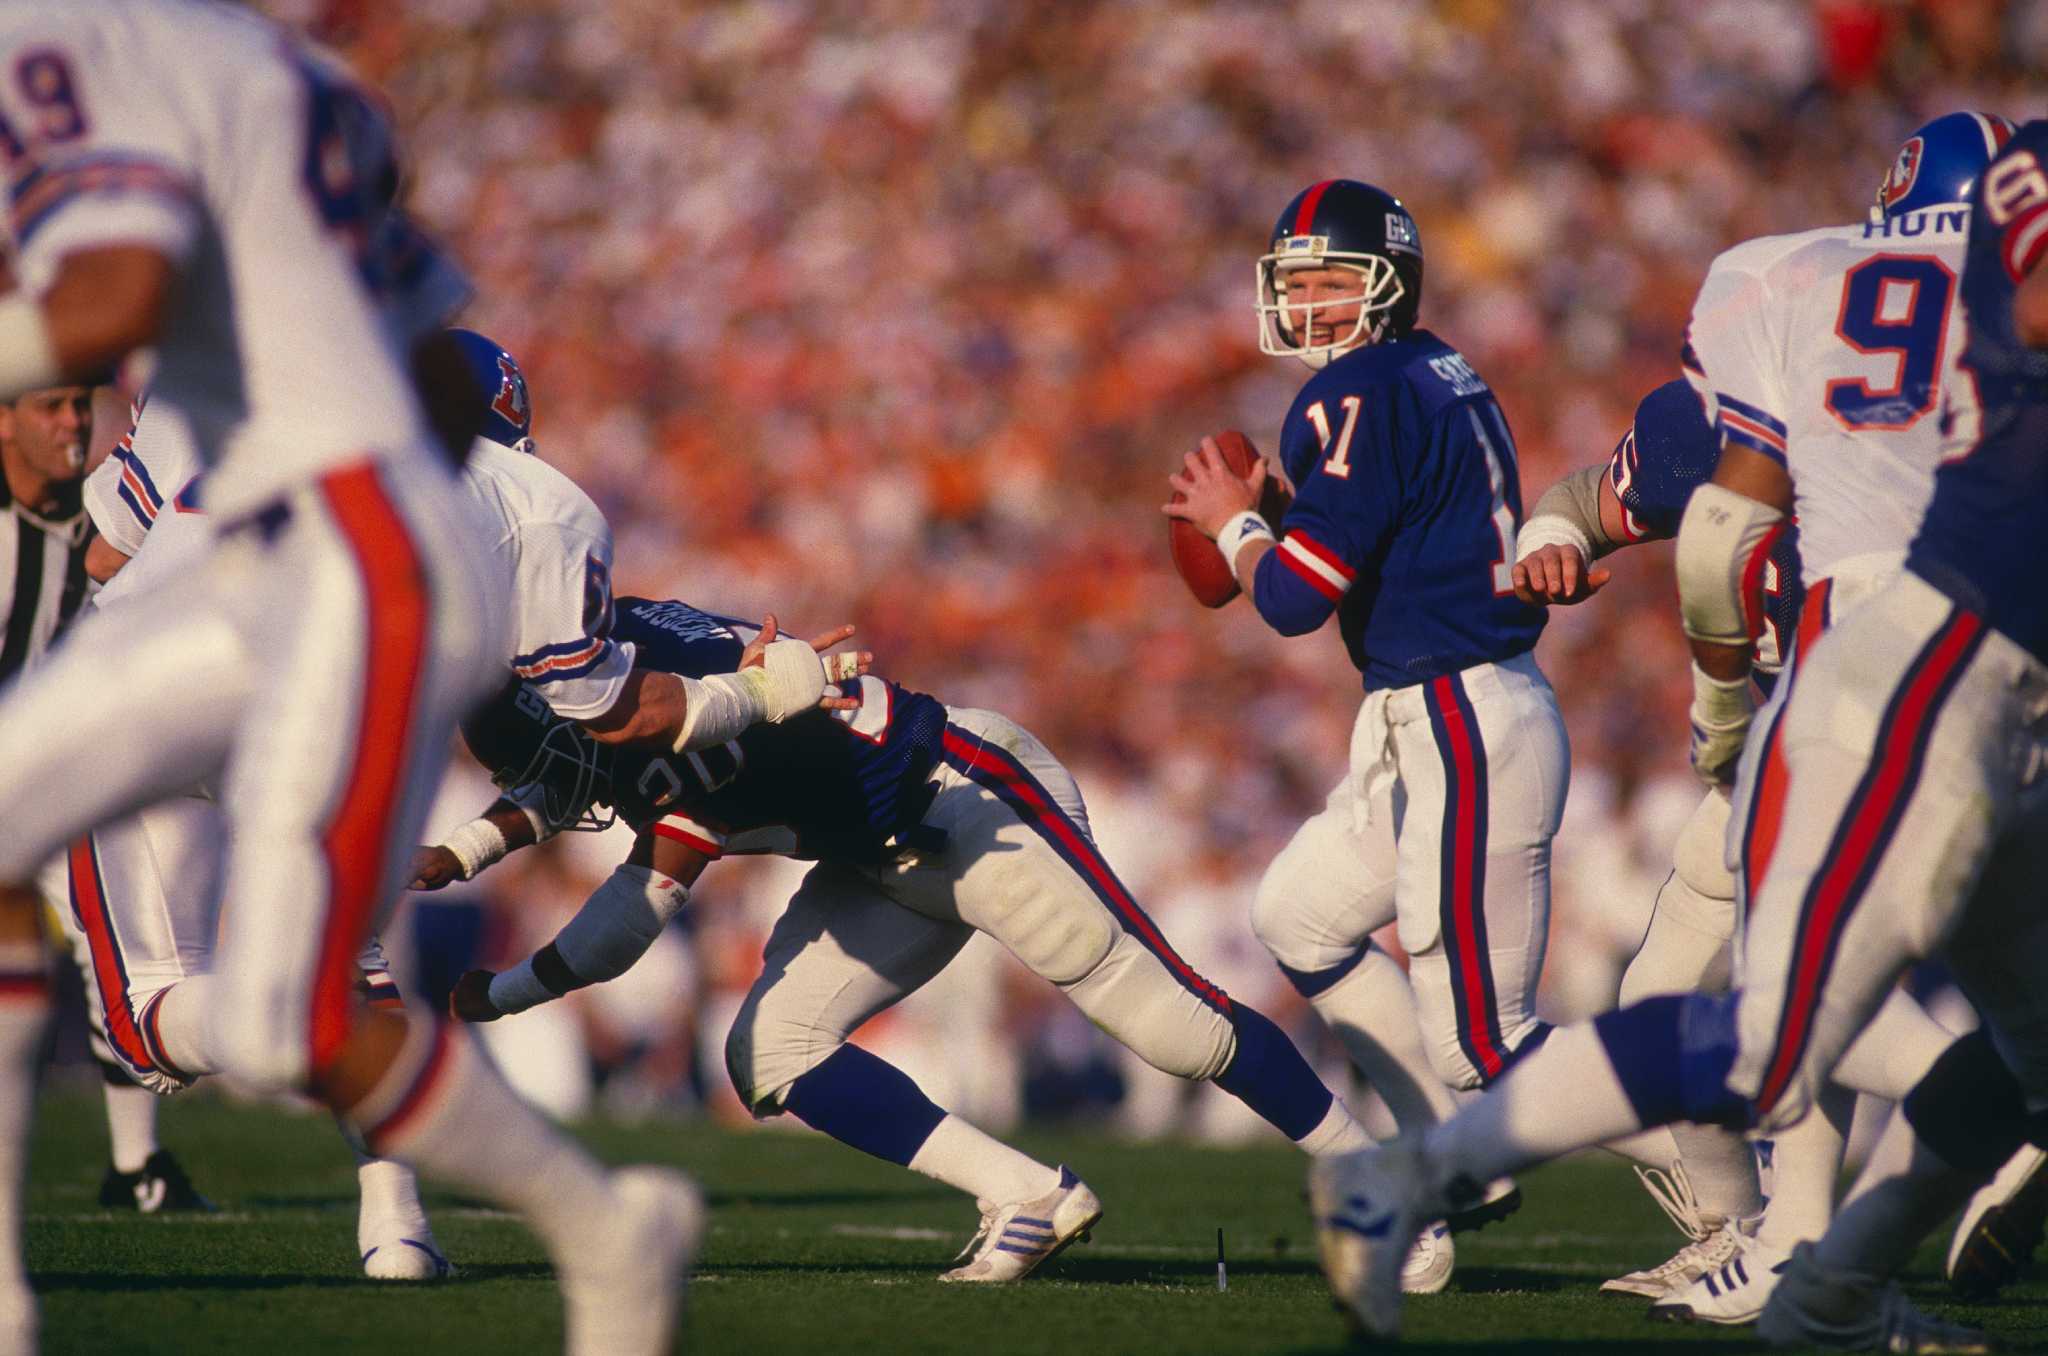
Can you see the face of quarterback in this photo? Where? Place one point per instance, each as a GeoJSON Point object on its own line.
{"type": "Point", "coordinates": [1316, 301]}
{"type": "Point", "coordinates": [49, 431]}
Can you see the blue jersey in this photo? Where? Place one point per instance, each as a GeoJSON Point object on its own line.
{"type": "Point", "coordinates": [1670, 451]}
{"type": "Point", "coordinates": [1980, 539]}
{"type": "Point", "coordinates": [827, 784]}
{"type": "Point", "coordinates": [1404, 516]}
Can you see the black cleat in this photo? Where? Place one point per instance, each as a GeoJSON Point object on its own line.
{"type": "Point", "coordinates": [160, 1185]}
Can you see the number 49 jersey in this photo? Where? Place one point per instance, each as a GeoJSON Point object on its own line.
{"type": "Point", "coordinates": [1824, 351]}
{"type": "Point", "coordinates": [1406, 505]}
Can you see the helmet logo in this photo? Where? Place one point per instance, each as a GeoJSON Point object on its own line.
{"type": "Point", "coordinates": [1401, 233]}
{"type": "Point", "coordinates": [511, 403]}
{"type": "Point", "coordinates": [1905, 170]}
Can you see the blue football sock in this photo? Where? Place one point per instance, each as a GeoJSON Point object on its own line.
{"type": "Point", "coordinates": [1269, 1075]}
{"type": "Point", "coordinates": [865, 1102]}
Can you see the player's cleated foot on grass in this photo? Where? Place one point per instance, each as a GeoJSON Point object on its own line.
{"type": "Point", "coordinates": [1854, 1311]}
{"type": "Point", "coordinates": [1369, 1209]}
{"type": "Point", "coordinates": [1731, 1294]}
{"type": "Point", "coordinates": [159, 1185]}
{"type": "Point", "coordinates": [399, 1256]}
{"type": "Point", "coordinates": [1701, 1257]}
{"type": "Point", "coordinates": [1017, 1238]}
{"type": "Point", "coordinates": [1430, 1262]}
{"type": "Point", "coordinates": [622, 1299]}
{"type": "Point", "coordinates": [2002, 1225]}
{"type": "Point", "coordinates": [1500, 1199]}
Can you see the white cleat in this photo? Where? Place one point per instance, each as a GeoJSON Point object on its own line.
{"type": "Point", "coordinates": [1731, 1294]}
{"type": "Point", "coordinates": [1430, 1262]}
{"type": "Point", "coordinates": [1712, 1242]}
{"type": "Point", "coordinates": [1369, 1209]}
{"type": "Point", "coordinates": [397, 1256]}
{"type": "Point", "coordinates": [1851, 1311]}
{"type": "Point", "coordinates": [1017, 1238]}
{"type": "Point", "coordinates": [2000, 1228]}
{"type": "Point", "coordinates": [621, 1300]}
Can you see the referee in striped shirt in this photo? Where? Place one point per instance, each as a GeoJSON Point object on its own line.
{"type": "Point", "coordinates": [44, 437]}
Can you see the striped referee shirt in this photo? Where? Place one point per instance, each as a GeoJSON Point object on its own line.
{"type": "Point", "coordinates": [42, 574]}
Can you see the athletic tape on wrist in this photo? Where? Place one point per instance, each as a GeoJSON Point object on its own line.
{"type": "Point", "coordinates": [28, 360]}
{"type": "Point", "coordinates": [1721, 704]}
{"type": "Point", "coordinates": [476, 845]}
{"type": "Point", "coordinates": [1241, 531]}
{"type": "Point", "coordinates": [718, 708]}
{"type": "Point", "coordinates": [518, 989]}
{"type": "Point", "coordinates": [1551, 530]}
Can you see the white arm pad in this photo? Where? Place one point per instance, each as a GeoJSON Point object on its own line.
{"type": "Point", "coordinates": [612, 930]}
{"type": "Point", "coordinates": [476, 845]}
{"type": "Point", "coordinates": [1721, 544]}
{"type": "Point", "coordinates": [1568, 514]}
{"type": "Point", "coordinates": [28, 361]}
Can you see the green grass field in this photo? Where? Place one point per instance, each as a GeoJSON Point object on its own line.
{"type": "Point", "coordinates": [816, 1249]}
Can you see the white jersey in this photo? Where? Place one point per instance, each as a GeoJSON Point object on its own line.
{"type": "Point", "coordinates": [555, 546]}
{"type": "Point", "coordinates": [210, 135]}
{"type": "Point", "coordinates": [1825, 351]}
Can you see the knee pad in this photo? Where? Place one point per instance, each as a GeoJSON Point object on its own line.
{"type": "Point", "coordinates": [1133, 996]}
{"type": "Point", "coordinates": [1700, 858]}
{"type": "Point", "coordinates": [1970, 1108]}
{"type": "Point", "coordinates": [769, 1047]}
{"type": "Point", "coordinates": [1059, 930]}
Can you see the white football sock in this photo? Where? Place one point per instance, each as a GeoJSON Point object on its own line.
{"type": "Point", "coordinates": [131, 1124]}
{"type": "Point", "coordinates": [1372, 1010]}
{"type": "Point", "coordinates": [1805, 1165]}
{"type": "Point", "coordinates": [1338, 1132]}
{"type": "Point", "coordinates": [1562, 1096]}
{"type": "Point", "coordinates": [1722, 1168]}
{"type": "Point", "coordinates": [1651, 1148]}
{"type": "Point", "coordinates": [24, 1010]}
{"type": "Point", "coordinates": [445, 1110]}
{"type": "Point", "coordinates": [1903, 1193]}
{"type": "Point", "coordinates": [982, 1166]}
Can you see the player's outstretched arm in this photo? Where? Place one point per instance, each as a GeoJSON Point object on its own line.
{"type": "Point", "coordinates": [505, 827]}
{"type": "Point", "coordinates": [1577, 521]}
{"type": "Point", "coordinates": [1730, 525]}
{"type": "Point", "coordinates": [105, 302]}
{"type": "Point", "coordinates": [607, 936]}
{"type": "Point", "coordinates": [777, 678]}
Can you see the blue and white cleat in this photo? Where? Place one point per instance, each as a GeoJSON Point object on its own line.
{"type": "Point", "coordinates": [1369, 1209]}
{"type": "Point", "coordinates": [407, 1259]}
{"type": "Point", "coordinates": [1017, 1238]}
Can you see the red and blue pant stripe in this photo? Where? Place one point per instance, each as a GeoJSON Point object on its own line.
{"type": "Point", "coordinates": [131, 1035]}
{"type": "Point", "coordinates": [1011, 782]}
{"type": "Point", "coordinates": [1866, 829]}
{"type": "Point", "coordinates": [1461, 885]}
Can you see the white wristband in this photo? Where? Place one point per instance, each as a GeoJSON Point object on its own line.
{"type": "Point", "coordinates": [476, 845]}
{"type": "Point", "coordinates": [28, 360]}
{"type": "Point", "coordinates": [1721, 703]}
{"type": "Point", "coordinates": [718, 708]}
{"type": "Point", "coordinates": [1241, 531]}
{"type": "Point", "coordinates": [518, 989]}
{"type": "Point", "coordinates": [1551, 530]}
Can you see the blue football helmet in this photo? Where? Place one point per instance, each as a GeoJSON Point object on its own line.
{"type": "Point", "coordinates": [1939, 164]}
{"type": "Point", "coordinates": [508, 419]}
{"type": "Point", "coordinates": [1341, 223]}
{"type": "Point", "coordinates": [546, 763]}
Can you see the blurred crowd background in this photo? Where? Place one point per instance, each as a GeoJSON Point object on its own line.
{"type": "Point", "coordinates": [899, 311]}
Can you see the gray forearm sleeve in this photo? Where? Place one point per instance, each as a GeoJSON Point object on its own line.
{"type": "Point", "coordinates": [1576, 499]}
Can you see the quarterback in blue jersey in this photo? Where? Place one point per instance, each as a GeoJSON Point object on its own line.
{"type": "Point", "coordinates": [927, 824]}
{"type": "Point", "coordinates": [1905, 819]}
{"type": "Point", "coordinates": [1403, 524]}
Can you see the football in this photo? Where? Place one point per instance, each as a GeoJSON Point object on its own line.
{"type": "Point", "coordinates": [1202, 567]}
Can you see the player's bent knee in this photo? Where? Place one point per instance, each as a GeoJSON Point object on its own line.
{"type": "Point", "coordinates": [770, 1046]}
{"type": "Point", "coordinates": [1282, 926]}
{"type": "Point", "coordinates": [1133, 998]}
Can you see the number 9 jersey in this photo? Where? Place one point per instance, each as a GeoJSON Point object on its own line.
{"type": "Point", "coordinates": [1824, 351]}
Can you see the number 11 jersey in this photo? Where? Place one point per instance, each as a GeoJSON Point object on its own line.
{"type": "Point", "coordinates": [1407, 501]}
{"type": "Point", "coordinates": [1824, 351]}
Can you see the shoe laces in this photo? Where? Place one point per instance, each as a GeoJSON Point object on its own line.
{"type": "Point", "coordinates": [987, 1230]}
{"type": "Point", "coordinates": [1673, 1192]}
